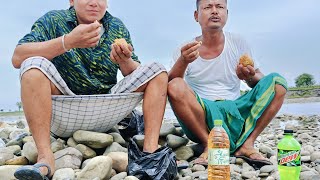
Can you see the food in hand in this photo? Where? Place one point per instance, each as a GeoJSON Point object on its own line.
{"type": "Point", "coordinates": [120, 41]}
{"type": "Point", "coordinates": [245, 60]}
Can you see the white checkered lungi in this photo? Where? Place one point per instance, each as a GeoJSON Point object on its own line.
{"type": "Point", "coordinates": [71, 112]}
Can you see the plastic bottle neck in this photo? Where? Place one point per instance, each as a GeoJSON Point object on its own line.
{"type": "Point", "coordinates": [288, 135]}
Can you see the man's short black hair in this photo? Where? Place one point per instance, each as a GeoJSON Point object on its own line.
{"type": "Point", "coordinates": [198, 2]}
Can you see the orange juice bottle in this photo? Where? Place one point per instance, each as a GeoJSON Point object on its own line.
{"type": "Point", "coordinates": [218, 153]}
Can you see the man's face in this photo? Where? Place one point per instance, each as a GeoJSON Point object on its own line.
{"type": "Point", "coordinates": [89, 10]}
{"type": "Point", "coordinates": [212, 14]}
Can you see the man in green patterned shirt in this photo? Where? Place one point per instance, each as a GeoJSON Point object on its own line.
{"type": "Point", "coordinates": [77, 45]}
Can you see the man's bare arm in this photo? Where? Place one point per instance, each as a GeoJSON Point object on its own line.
{"type": "Point", "coordinates": [48, 49]}
{"type": "Point", "coordinates": [83, 36]}
{"type": "Point", "coordinates": [189, 53]}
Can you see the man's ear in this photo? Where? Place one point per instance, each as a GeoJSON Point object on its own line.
{"type": "Point", "coordinates": [196, 15]}
{"type": "Point", "coordinates": [71, 2]}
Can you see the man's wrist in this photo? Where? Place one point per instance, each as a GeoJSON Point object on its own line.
{"type": "Point", "coordinates": [66, 43]}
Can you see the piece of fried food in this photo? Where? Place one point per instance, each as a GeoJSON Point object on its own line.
{"type": "Point", "coordinates": [120, 41]}
{"type": "Point", "coordinates": [245, 60]}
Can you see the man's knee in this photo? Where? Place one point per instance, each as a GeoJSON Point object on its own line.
{"type": "Point", "coordinates": [162, 78]}
{"type": "Point", "coordinates": [176, 88]}
{"type": "Point", "coordinates": [33, 76]}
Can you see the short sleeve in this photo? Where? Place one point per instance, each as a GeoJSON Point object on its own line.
{"type": "Point", "coordinates": [39, 31]}
{"type": "Point", "coordinates": [127, 37]}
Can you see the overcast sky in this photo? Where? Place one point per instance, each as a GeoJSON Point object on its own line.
{"type": "Point", "coordinates": [284, 34]}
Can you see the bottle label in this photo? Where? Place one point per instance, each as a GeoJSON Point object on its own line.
{"type": "Point", "coordinates": [289, 158]}
{"type": "Point", "coordinates": [218, 157]}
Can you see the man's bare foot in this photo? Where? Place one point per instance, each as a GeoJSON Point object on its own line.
{"type": "Point", "coordinates": [47, 158]}
{"type": "Point", "coordinates": [203, 158]}
{"type": "Point", "coordinates": [250, 152]}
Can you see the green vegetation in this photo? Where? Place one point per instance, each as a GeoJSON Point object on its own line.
{"type": "Point", "coordinates": [15, 113]}
{"type": "Point", "coordinates": [305, 80]}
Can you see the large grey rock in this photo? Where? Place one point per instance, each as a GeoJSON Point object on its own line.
{"type": "Point", "coordinates": [119, 161]}
{"type": "Point", "coordinates": [115, 147]}
{"type": "Point", "coordinates": [68, 158]}
{"type": "Point", "coordinates": [184, 153]}
{"type": "Point", "coordinates": [93, 139]}
{"type": "Point", "coordinates": [176, 141]}
{"type": "Point", "coordinates": [167, 129]}
{"type": "Point", "coordinates": [98, 167]}
{"type": "Point", "coordinates": [29, 150]}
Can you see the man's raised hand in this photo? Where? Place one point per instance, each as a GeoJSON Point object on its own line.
{"type": "Point", "coordinates": [190, 51]}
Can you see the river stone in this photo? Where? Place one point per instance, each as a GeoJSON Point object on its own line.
{"type": "Point", "coordinates": [179, 131]}
{"type": "Point", "coordinates": [2, 143]}
{"type": "Point", "coordinates": [71, 142]}
{"type": "Point", "coordinates": [306, 175]}
{"type": "Point", "coordinates": [64, 174]}
{"type": "Point", "coordinates": [27, 139]}
{"type": "Point", "coordinates": [308, 148]}
{"type": "Point", "coordinates": [115, 147]}
{"type": "Point", "coordinates": [198, 174]}
{"type": "Point", "coordinates": [131, 178]}
{"type": "Point", "coordinates": [176, 141]}
{"type": "Point", "coordinates": [139, 139]}
{"type": "Point", "coordinates": [98, 167]}
{"type": "Point", "coordinates": [184, 153]}
{"type": "Point", "coordinates": [119, 176]}
{"type": "Point", "coordinates": [119, 161]}
{"type": "Point", "coordinates": [265, 149]}
{"type": "Point", "coordinates": [7, 171]}
{"type": "Point", "coordinates": [57, 145]}
{"type": "Point", "coordinates": [268, 169]}
{"type": "Point", "coordinates": [198, 167]}
{"type": "Point", "coordinates": [20, 160]}
{"type": "Point", "coordinates": [118, 138]}
{"type": "Point", "coordinates": [29, 150]}
{"type": "Point", "coordinates": [18, 133]}
{"type": "Point", "coordinates": [93, 139]}
{"type": "Point", "coordinates": [315, 156]}
{"type": "Point", "coordinates": [17, 140]}
{"type": "Point", "coordinates": [249, 174]}
{"type": "Point", "coordinates": [87, 152]}
{"type": "Point", "coordinates": [167, 129]}
{"type": "Point", "coordinates": [5, 155]}
{"type": "Point", "coordinates": [68, 158]}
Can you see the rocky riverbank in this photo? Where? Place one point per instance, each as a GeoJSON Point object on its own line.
{"type": "Point", "coordinates": [91, 155]}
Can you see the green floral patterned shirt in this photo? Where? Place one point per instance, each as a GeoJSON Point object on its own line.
{"type": "Point", "coordinates": [85, 70]}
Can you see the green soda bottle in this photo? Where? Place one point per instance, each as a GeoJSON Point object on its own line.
{"type": "Point", "coordinates": [289, 158]}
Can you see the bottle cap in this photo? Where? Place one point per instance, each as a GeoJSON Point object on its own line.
{"type": "Point", "coordinates": [218, 122]}
{"type": "Point", "coordinates": [288, 131]}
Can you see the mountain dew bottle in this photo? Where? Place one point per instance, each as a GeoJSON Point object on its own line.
{"type": "Point", "coordinates": [289, 158]}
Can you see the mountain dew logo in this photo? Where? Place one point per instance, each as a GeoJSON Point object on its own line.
{"type": "Point", "coordinates": [289, 158]}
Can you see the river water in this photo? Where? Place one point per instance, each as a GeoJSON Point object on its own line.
{"type": "Point", "coordinates": [293, 109]}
